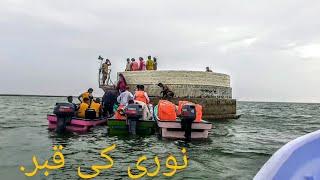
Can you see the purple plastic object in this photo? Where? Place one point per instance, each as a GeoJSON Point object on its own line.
{"type": "Point", "coordinates": [298, 159]}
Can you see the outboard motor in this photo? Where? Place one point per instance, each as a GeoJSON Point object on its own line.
{"type": "Point", "coordinates": [64, 113]}
{"type": "Point", "coordinates": [90, 114]}
{"type": "Point", "coordinates": [188, 115]}
{"type": "Point", "coordinates": [134, 113]}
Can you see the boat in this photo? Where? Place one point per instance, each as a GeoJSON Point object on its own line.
{"type": "Point", "coordinates": [76, 124]}
{"type": "Point", "coordinates": [173, 129]}
{"type": "Point", "coordinates": [298, 159]}
{"type": "Point", "coordinates": [121, 127]}
{"type": "Point", "coordinates": [119, 124]}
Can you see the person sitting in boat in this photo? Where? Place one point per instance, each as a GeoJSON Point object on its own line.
{"type": "Point", "coordinates": [141, 95]}
{"type": "Point", "coordinates": [155, 64]}
{"type": "Point", "coordinates": [142, 64]}
{"type": "Point", "coordinates": [105, 71]}
{"type": "Point", "coordinates": [124, 97]}
{"type": "Point", "coordinates": [83, 107]}
{"type": "Point", "coordinates": [166, 92]}
{"type": "Point", "coordinates": [95, 104]}
{"type": "Point", "coordinates": [134, 65]}
{"type": "Point", "coordinates": [109, 99]}
{"type": "Point", "coordinates": [122, 84]}
{"type": "Point", "coordinates": [128, 66]}
{"type": "Point", "coordinates": [70, 100]}
{"type": "Point", "coordinates": [150, 64]}
{"type": "Point", "coordinates": [87, 94]}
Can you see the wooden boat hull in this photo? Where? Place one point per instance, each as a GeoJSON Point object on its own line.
{"type": "Point", "coordinates": [120, 127]}
{"type": "Point", "coordinates": [76, 124]}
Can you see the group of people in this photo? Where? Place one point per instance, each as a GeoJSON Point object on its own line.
{"type": "Point", "coordinates": [86, 102]}
{"type": "Point", "coordinates": [120, 96]}
{"type": "Point", "coordinates": [142, 65]}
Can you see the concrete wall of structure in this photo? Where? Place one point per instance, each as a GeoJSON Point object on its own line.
{"type": "Point", "coordinates": [182, 83]}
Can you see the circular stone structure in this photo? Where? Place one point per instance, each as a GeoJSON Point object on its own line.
{"type": "Point", "coordinates": [183, 83]}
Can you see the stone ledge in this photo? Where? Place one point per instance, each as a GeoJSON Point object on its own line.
{"type": "Point", "coordinates": [177, 77]}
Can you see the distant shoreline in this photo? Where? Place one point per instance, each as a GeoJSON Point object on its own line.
{"type": "Point", "coordinates": [33, 95]}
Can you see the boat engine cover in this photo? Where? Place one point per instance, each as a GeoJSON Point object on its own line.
{"type": "Point", "coordinates": [134, 111]}
{"type": "Point", "coordinates": [64, 110]}
{"type": "Point", "coordinates": [188, 111]}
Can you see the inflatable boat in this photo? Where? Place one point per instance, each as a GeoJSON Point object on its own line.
{"type": "Point", "coordinates": [298, 159]}
{"type": "Point", "coordinates": [76, 124]}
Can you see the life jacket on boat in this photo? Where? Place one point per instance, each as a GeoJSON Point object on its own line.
{"type": "Point", "coordinates": [198, 110]}
{"type": "Point", "coordinates": [180, 104]}
{"type": "Point", "coordinates": [86, 95]}
{"type": "Point", "coordinates": [134, 66]}
{"type": "Point", "coordinates": [198, 113]}
{"type": "Point", "coordinates": [96, 107]}
{"type": "Point", "coordinates": [82, 110]}
{"type": "Point", "coordinates": [117, 114]}
{"type": "Point", "coordinates": [166, 111]}
{"type": "Point", "coordinates": [141, 96]}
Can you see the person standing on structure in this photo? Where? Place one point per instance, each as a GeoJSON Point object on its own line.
{"type": "Point", "coordinates": [106, 71]}
{"type": "Point", "coordinates": [149, 63]}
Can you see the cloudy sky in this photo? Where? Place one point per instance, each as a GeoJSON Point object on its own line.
{"type": "Point", "coordinates": [270, 48]}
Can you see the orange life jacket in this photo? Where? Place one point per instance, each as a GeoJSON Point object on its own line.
{"type": "Point", "coordinates": [82, 110]}
{"type": "Point", "coordinates": [117, 114]}
{"type": "Point", "coordinates": [198, 110]}
{"type": "Point", "coordinates": [167, 111]}
{"type": "Point", "coordinates": [140, 96]}
{"type": "Point", "coordinates": [181, 103]}
{"type": "Point", "coordinates": [198, 113]}
{"type": "Point", "coordinates": [96, 107]}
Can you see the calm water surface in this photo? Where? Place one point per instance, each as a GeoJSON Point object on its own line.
{"type": "Point", "coordinates": [236, 149]}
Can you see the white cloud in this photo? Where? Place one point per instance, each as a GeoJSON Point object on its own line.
{"type": "Point", "coordinates": [308, 51]}
{"type": "Point", "coordinates": [238, 44]}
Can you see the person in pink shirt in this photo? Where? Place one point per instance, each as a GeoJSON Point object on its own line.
{"type": "Point", "coordinates": [122, 83]}
{"type": "Point", "coordinates": [142, 66]}
{"type": "Point", "coordinates": [134, 65]}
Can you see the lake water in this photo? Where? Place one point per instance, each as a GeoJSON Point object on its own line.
{"type": "Point", "coordinates": [236, 149]}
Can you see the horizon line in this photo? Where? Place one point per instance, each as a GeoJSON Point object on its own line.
{"type": "Point", "coordinates": [47, 95]}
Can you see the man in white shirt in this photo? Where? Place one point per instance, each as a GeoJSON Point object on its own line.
{"type": "Point", "coordinates": [124, 97]}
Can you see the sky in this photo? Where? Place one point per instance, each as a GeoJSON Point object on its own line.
{"type": "Point", "coordinates": [270, 48]}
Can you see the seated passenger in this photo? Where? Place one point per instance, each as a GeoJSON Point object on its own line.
{"type": "Point", "coordinates": [141, 95]}
{"type": "Point", "coordinates": [87, 94]}
{"type": "Point", "coordinates": [95, 104]}
{"type": "Point", "coordinates": [124, 97]}
{"type": "Point", "coordinates": [70, 100]}
{"type": "Point", "coordinates": [83, 107]}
